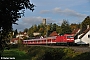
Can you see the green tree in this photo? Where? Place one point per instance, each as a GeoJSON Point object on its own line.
{"type": "Point", "coordinates": [26, 30]}
{"type": "Point", "coordinates": [30, 31]}
{"type": "Point", "coordinates": [54, 27]}
{"type": "Point", "coordinates": [41, 29]}
{"type": "Point", "coordinates": [58, 29]}
{"type": "Point", "coordinates": [15, 33]}
{"type": "Point", "coordinates": [85, 23]}
{"type": "Point", "coordinates": [65, 27]}
{"type": "Point", "coordinates": [10, 11]}
{"type": "Point", "coordinates": [35, 28]}
{"type": "Point", "coordinates": [74, 26]}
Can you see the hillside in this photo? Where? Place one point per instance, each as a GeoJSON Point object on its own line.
{"type": "Point", "coordinates": [46, 53]}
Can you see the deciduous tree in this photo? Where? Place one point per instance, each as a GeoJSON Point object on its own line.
{"type": "Point", "coordinates": [65, 27]}
{"type": "Point", "coordinates": [10, 11]}
{"type": "Point", "coordinates": [85, 23]}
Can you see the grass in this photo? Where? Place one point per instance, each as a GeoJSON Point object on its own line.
{"type": "Point", "coordinates": [45, 53]}
{"type": "Point", "coordinates": [19, 55]}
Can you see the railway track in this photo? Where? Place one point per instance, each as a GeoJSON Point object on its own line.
{"type": "Point", "coordinates": [81, 49]}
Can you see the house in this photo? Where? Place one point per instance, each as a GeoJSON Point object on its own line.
{"type": "Point", "coordinates": [76, 32]}
{"type": "Point", "coordinates": [35, 34]}
{"type": "Point", "coordinates": [14, 41]}
{"type": "Point", "coordinates": [21, 35]}
{"type": "Point", "coordinates": [84, 38]}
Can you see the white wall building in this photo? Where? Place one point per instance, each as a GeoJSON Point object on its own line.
{"type": "Point", "coordinates": [84, 38]}
{"type": "Point", "coordinates": [21, 35]}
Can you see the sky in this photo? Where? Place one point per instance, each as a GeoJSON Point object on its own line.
{"type": "Point", "coordinates": [54, 11]}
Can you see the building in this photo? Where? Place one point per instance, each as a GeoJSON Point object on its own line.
{"type": "Point", "coordinates": [84, 37]}
{"type": "Point", "coordinates": [35, 34]}
{"type": "Point", "coordinates": [14, 41]}
{"type": "Point", "coordinates": [21, 35]}
{"type": "Point", "coordinates": [54, 33]}
{"type": "Point", "coordinates": [44, 22]}
{"type": "Point", "coordinates": [76, 32]}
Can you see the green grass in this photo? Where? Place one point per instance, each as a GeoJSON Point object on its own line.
{"type": "Point", "coordinates": [45, 53]}
{"type": "Point", "coordinates": [19, 55]}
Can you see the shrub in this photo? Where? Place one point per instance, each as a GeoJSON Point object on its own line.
{"type": "Point", "coordinates": [13, 46]}
{"type": "Point", "coordinates": [43, 53]}
{"type": "Point", "coordinates": [53, 54]}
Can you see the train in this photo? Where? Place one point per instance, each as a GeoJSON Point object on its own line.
{"type": "Point", "coordinates": [66, 39]}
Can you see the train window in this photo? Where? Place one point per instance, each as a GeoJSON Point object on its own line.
{"type": "Point", "coordinates": [41, 41]}
{"type": "Point", "coordinates": [88, 36]}
{"type": "Point", "coordinates": [25, 41]}
{"type": "Point", "coordinates": [69, 36]}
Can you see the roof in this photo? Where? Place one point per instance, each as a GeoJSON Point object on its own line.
{"type": "Point", "coordinates": [75, 31]}
{"type": "Point", "coordinates": [14, 39]}
{"type": "Point", "coordinates": [23, 33]}
{"type": "Point", "coordinates": [54, 33]}
{"type": "Point", "coordinates": [84, 33]}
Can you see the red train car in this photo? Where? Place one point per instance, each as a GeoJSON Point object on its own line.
{"type": "Point", "coordinates": [65, 39]}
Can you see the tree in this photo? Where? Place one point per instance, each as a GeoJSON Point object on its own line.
{"type": "Point", "coordinates": [30, 31]}
{"type": "Point", "coordinates": [41, 29]}
{"type": "Point", "coordinates": [54, 27]}
{"type": "Point", "coordinates": [74, 26]}
{"type": "Point", "coordinates": [85, 23]}
{"type": "Point", "coordinates": [10, 11]}
{"type": "Point", "coordinates": [58, 29]}
{"type": "Point", "coordinates": [65, 28]}
{"type": "Point", "coordinates": [35, 28]}
{"type": "Point", "coordinates": [15, 33]}
{"type": "Point", "coordinates": [51, 28]}
{"type": "Point", "coordinates": [26, 30]}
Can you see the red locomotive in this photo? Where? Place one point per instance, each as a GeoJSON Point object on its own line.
{"type": "Point", "coordinates": [64, 39]}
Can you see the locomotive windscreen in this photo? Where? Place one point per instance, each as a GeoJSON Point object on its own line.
{"type": "Point", "coordinates": [70, 37]}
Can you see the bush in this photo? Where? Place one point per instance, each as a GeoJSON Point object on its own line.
{"type": "Point", "coordinates": [13, 46]}
{"type": "Point", "coordinates": [42, 53]}
{"type": "Point", "coordinates": [53, 54]}
{"type": "Point", "coordinates": [83, 56]}
{"type": "Point", "coordinates": [45, 53]}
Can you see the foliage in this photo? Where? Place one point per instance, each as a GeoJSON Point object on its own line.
{"type": "Point", "coordinates": [15, 33]}
{"type": "Point", "coordinates": [74, 26]}
{"type": "Point", "coordinates": [83, 56]}
{"type": "Point", "coordinates": [53, 54]}
{"type": "Point", "coordinates": [18, 55]}
{"type": "Point", "coordinates": [45, 53]}
{"type": "Point", "coordinates": [12, 46]}
{"type": "Point", "coordinates": [48, 29]}
{"type": "Point", "coordinates": [65, 28]}
{"type": "Point", "coordinates": [41, 53]}
{"type": "Point", "coordinates": [25, 30]}
{"type": "Point", "coordinates": [43, 29]}
{"type": "Point", "coordinates": [10, 12]}
{"type": "Point", "coordinates": [85, 23]}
